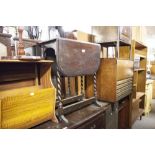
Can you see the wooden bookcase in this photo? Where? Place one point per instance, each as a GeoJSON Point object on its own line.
{"type": "Point", "coordinates": [139, 55]}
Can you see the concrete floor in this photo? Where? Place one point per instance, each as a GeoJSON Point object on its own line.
{"type": "Point", "coordinates": [147, 122]}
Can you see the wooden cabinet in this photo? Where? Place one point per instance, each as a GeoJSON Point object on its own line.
{"type": "Point", "coordinates": [148, 96]}
{"type": "Point", "coordinates": [139, 55]}
{"type": "Point", "coordinates": [114, 79]}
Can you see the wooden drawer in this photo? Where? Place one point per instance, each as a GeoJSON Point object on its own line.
{"type": "Point", "coordinates": [97, 122]}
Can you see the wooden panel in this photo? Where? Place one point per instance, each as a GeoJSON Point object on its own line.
{"type": "Point", "coordinates": [106, 80]}
{"type": "Point", "coordinates": [123, 115]}
{"type": "Point", "coordinates": [141, 81]}
{"type": "Point", "coordinates": [79, 85]}
{"type": "Point", "coordinates": [124, 52]}
{"type": "Point", "coordinates": [17, 84]}
{"type": "Point", "coordinates": [89, 86]}
{"type": "Point", "coordinates": [135, 110]}
{"type": "Point", "coordinates": [45, 75]}
{"type": "Point", "coordinates": [14, 72]}
{"type": "Point", "coordinates": [153, 69]}
{"type": "Point", "coordinates": [18, 91]}
{"type": "Point", "coordinates": [124, 69]}
{"type": "Point", "coordinates": [153, 93]}
{"type": "Point", "coordinates": [72, 86]}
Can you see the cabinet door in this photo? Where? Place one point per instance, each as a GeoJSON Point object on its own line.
{"type": "Point", "coordinates": [123, 116]}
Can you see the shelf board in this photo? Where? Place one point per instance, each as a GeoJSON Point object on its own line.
{"type": "Point", "coordinates": [140, 55]}
{"type": "Point", "coordinates": [139, 45]}
{"type": "Point", "coordinates": [138, 96]}
{"type": "Point", "coordinates": [114, 43]}
{"type": "Point", "coordinates": [134, 85]}
{"type": "Point", "coordinates": [139, 69]}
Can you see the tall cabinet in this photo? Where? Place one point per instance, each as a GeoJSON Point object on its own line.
{"type": "Point", "coordinates": [139, 55]}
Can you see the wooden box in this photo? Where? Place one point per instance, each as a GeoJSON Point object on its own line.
{"type": "Point", "coordinates": [114, 79]}
{"type": "Point", "coordinates": [27, 96]}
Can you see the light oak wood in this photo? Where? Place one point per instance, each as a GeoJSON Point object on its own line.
{"type": "Point", "coordinates": [111, 74]}
{"type": "Point", "coordinates": [140, 50]}
{"type": "Point", "coordinates": [27, 92]}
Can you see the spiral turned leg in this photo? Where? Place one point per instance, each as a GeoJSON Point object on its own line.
{"type": "Point", "coordinates": [82, 86]}
{"type": "Point", "coordinates": [59, 95]}
{"type": "Point", "coordinates": [95, 90]}
{"type": "Point", "coordinates": [69, 86]}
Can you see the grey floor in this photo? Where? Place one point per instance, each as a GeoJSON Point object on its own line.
{"type": "Point", "coordinates": [147, 122]}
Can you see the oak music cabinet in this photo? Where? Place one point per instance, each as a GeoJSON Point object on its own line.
{"type": "Point", "coordinates": [115, 74]}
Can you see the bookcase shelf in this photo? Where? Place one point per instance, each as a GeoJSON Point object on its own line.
{"type": "Point", "coordinates": [139, 55]}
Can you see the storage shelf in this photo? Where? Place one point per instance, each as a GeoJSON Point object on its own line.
{"type": "Point", "coordinates": [139, 45]}
{"type": "Point", "coordinates": [139, 69]}
{"type": "Point", "coordinates": [114, 43]}
{"type": "Point", "coordinates": [139, 95]}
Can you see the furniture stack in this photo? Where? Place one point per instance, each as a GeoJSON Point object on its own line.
{"type": "Point", "coordinates": [114, 77]}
